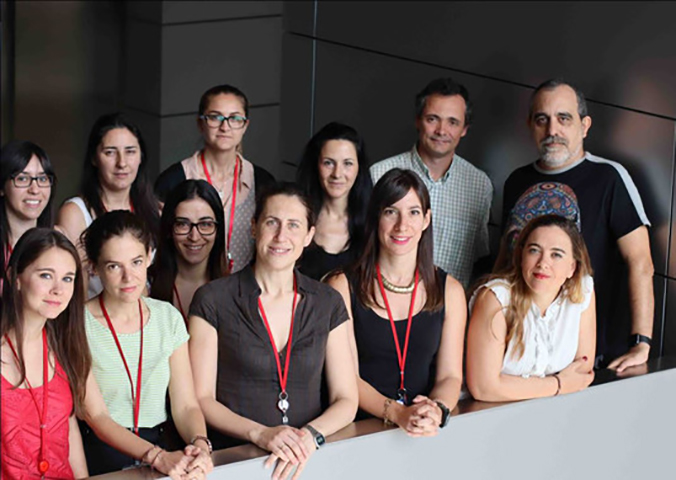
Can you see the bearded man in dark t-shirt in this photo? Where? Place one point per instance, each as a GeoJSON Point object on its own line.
{"type": "Point", "coordinates": [614, 223]}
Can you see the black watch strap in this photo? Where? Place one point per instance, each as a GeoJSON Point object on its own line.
{"type": "Point", "coordinates": [318, 437]}
{"type": "Point", "coordinates": [445, 414]}
{"type": "Point", "coordinates": [637, 338]}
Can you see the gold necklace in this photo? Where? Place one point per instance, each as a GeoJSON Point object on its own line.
{"type": "Point", "coordinates": [397, 288]}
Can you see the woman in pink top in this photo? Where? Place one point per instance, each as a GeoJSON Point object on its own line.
{"type": "Point", "coordinates": [45, 359]}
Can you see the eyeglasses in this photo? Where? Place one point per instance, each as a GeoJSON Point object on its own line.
{"type": "Point", "coordinates": [23, 180]}
{"type": "Point", "coordinates": [215, 120]}
{"type": "Point", "coordinates": [204, 227]}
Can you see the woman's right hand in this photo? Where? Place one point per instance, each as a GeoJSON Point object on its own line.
{"type": "Point", "coordinates": [172, 464]}
{"type": "Point", "coordinates": [414, 420]}
{"type": "Point", "coordinates": [576, 376]}
{"type": "Point", "coordinates": [285, 442]}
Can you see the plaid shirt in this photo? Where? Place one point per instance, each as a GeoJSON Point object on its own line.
{"type": "Point", "coordinates": [461, 204]}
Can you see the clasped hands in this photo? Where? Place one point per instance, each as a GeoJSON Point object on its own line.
{"type": "Point", "coordinates": [420, 419]}
{"type": "Point", "coordinates": [289, 448]}
{"type": "Point", "coordinates": [192, 463]}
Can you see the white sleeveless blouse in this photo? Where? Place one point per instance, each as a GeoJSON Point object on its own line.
{"type": "Point", "coordinates": [550, 340]}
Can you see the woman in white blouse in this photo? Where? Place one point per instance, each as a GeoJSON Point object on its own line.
{"type": "Point", "coordinates": [532, 329]}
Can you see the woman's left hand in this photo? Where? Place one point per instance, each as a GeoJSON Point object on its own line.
{"type": "Point", "coordinates": [200, 465]}
{"type": "Point", "coordinates": [282, 468]}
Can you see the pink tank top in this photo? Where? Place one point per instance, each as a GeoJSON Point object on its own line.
{"type": "Point", "coordinates": [20, 429]}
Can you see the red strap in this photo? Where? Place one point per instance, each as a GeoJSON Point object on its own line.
{"type": "Point", "coordinates": [233, 203]}
{"type": "Point", "coordinates": [178, 300]}
{"type": "Point", "coordinates": [43, 464]}
{"type": "Point", "coordinates": [283, 376]}
{"type": "Point", "coordinates": [135, 398]}
{"type": "Point", "coordinates": [400, 356]}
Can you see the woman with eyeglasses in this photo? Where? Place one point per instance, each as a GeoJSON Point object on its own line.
{"type": "Point", "coordinates": [113, 178]}
{"type": "Point", "coordinates": [334, 173]}
{"type": "Point", "coordinates": [26, 193]}
{"type": "Point", "coordinates": [191, 246]}
{"type": "Point", "coordinates": [222, 121]}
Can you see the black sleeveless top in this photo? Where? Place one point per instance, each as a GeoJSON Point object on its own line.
{"type": "Point", "coordinates": [378, 362]}
{"type": "Point", "coordinates": [317, 262]}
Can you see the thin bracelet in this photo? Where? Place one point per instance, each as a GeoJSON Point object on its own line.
{"type": "Point", "coordinates": [152, 464]}
{"type": "Point", "coordinates": [558, 384]}
{"type": "Point", "coordinates": [147, 454]}
{"type": "Point", "coordinates": [386, 406]}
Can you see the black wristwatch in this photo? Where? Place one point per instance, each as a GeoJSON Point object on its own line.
{"type": "Point", "coordinates": [445, 414]}
{"type": "Point", "coordinates": [318, 437]}
{"type": "Point", "coordinates": [637, 338]}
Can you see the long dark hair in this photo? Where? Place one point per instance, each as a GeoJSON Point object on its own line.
{"type": "Point", "coordinates": [66, 333]}
{"type": "Point", "coordinates": [308, 177]}
{"type": "Point", "coordinates": [164, 270]}
{"type": "Point", "coordinates": [142, 198]}
{"type": "Point", "coordinates": [14, 157]}
{"type": "Point", "coordinates": [392, 187]}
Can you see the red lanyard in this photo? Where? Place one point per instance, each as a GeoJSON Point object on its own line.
{"type": "Point", "coordinates": [232, 204]}
{"type": "Point", "coordinates": [283, 403]}
{"type": "Point", "coordinates": [401, 393]}
{"type": "Point", "coordinates": [135, 398]}
{"type": "Point", "coordinates": [43, 464]}
{"type": "Point", "coordinates": [178, 300]}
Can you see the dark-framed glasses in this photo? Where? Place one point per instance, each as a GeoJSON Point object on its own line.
{"type": "Point", "coordinates": [215, 120]}
{"type": "Point", "coordinates": [183, 226]}
{"type": "Point", "coordinates": [23, 180]}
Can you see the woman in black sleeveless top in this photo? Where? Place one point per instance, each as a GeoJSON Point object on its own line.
{"type": "Point", "coordinates": [412, 379]}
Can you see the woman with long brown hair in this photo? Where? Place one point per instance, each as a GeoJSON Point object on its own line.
{"type": "Point", "coordinates": [407, 315]}
{"type": "Point", "coordinates": [45, 359]}
{"type": "Point", "coordinates": [532, 331]}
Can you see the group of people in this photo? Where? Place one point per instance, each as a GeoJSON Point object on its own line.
{"type": "Point", "coordinates": [149, 326]}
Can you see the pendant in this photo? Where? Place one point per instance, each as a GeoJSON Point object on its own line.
{"type": "Point", "coordinates": [401, 396]}
{"type": "Point", "coordinates": [283, 406]}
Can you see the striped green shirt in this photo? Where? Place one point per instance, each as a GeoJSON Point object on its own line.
{"type": "Point", "coordinates": [163, 333]}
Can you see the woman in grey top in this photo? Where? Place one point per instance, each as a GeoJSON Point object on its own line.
{"type": "Point", "coordinates": [262, 338]}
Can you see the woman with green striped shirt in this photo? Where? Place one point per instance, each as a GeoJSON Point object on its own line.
{"type": "Point", "coordinates": [139, 353]}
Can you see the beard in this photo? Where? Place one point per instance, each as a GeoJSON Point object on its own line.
{"type": "Point", "coordinates": [554, 152]}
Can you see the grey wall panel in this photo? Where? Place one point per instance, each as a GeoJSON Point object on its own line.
{"type": "Point", "coordinates": [619, 52]}
{"type": "Point", "coordinates": [261, 143]}
{"type": "Point", "coordinates": [180, 138]}
{"type": "Point", "coordinates": [296, 99]}
{"type": "Point", "coordinates": [147, 10]}
{"type": "Point", "coordinates": [182, 12]}
{"type": "Point", "coordinates": [142, 80]}
{"type": "Point", "coordinates": [66, 74]}
{"type": "Point", "coordinates": [670, 319]}
{"type": "Point", "coordinates": [299, 16]}
{"type": "Point", "coordinates": [196, 57]}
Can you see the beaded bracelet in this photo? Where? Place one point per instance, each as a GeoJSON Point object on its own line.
{"type": "Point", "coordinates": [386, 406]}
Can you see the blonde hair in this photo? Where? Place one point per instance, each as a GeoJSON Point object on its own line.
{"type": "Point", "coordinates": [521, 298]}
